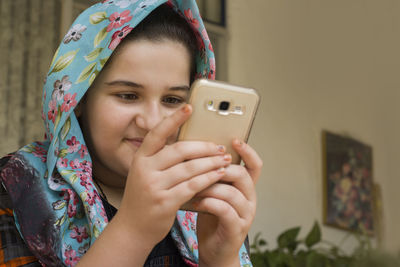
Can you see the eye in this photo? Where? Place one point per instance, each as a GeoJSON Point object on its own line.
{"type": "Point", "coordinates": [173, 100]}
{"type": "Point", "coordinates": [127, 96]}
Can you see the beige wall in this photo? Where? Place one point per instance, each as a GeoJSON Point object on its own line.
{"type": "Point", "coordinates": [330, 65]}
{"type": "Point", "coordinates": [29, 34]}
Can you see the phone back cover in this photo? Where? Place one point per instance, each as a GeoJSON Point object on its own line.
{"type": "Point", "coordinates": [206, 125]}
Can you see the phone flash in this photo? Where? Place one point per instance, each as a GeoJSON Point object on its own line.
{"type": "Point", "coordinates": [210, 105]}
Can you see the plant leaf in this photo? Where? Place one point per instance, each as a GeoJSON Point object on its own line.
{"type": "Point", "coordinates": [100, 37]}
{"type": "Point", "coordinates": [94, 54]}
{"type": "Point", "coordinates": [86, 72]}
{"type": "Point", "coordinates": [301, 258]}
{"type": "Point", "coordinates": [262, 242]}
{"type": "Point", "coordinates": [65, 129]}
{"type": "Point", "coordinates": [272, 258]}
{"type": "Point", "coordinates": [315, 259]}
{"type": "Point", "coordinates": [314, 236]}
{"type": "Point", "coordinates": [64, 61]}
{"type": "Point", "coordinates": [98, 17]}
{"type": "Point", "coordinates": [288, 239]}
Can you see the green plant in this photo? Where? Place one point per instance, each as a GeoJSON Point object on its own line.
{"type": "Point", "coordinates": [312, 251]}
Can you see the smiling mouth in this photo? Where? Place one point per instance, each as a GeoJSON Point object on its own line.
{"type": "Point", "coordinates": [137, 142]}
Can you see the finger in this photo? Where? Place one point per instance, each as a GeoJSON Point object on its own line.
{"type": "Point", "coordinates": [225, 213]}
{"type": "Point", "coordinates": [232, 196]}
{"type": "Point", "coordinates": [195, 167]}
{"type": "Point", "coordinates": [186, 190]}
{"type": "Point", "coordinates": [186, 150]}
{"type": "Point", "coordinates": [250, 158]}
{"type": "Point", "coordinates": [157, 137]}
{"type": "Point", "coordinates": [239, 177]}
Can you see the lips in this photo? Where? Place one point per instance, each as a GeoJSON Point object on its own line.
{"type": "Point", "coordinates": [137, 142]}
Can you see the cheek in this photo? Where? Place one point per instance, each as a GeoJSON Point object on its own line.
{"type": "Point", "coordinates": [106, 123]}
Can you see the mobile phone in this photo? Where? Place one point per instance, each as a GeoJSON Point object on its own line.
{"type": "Point", "coordinates": [221, 112]}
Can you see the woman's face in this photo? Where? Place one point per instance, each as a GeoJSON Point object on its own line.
{"type": "Point", "coordinates": [145, 82]}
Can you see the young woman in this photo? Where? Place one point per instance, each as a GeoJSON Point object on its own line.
{"type": "Point", "coordinates": [110, 170]}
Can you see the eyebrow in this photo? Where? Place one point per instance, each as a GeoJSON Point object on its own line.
{"type": "Point", "coordinates": [136, 85]}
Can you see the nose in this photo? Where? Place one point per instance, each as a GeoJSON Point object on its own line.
{"type": "Point", "coordinates": [150, 115]}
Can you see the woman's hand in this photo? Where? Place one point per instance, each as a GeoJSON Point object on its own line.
{"type": "Point", "coordinates": [227, 210]}
{"type": "Point", "coordinates": [164, 177]}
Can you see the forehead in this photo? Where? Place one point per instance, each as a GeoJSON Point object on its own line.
{"type": "Point", "coordinates": [152, 65]}
{"type": "Point", "coordinates": [149, 62]}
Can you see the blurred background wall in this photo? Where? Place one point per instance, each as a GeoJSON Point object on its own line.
{"type": "Point", "coordinates": [29, 34]}
{"type": "Point", "coordinates": [318, 65]}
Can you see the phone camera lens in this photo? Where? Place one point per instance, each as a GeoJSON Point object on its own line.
{"type": "Point", "coordinates": [224, 105]}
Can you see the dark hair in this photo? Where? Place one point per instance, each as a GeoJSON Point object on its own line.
{"type": "Point", "coordinates": [163, 23]}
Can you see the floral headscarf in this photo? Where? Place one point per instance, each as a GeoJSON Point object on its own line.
{"type": "Point", "coordinates": [56, 206]}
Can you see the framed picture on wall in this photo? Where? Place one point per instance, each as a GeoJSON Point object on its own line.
{"type": "Point", "coordinates": [348, 184]}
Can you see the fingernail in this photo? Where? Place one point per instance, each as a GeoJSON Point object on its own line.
{"type": "Point", "coordinates": [227, 157]}
{"type": "Point", "coordinates": [221, 170]}
{"type": "Point", "coordinates": [238, 142]}
{"type": "Point", "coordinates": [186, 109]}
{"type": "Point", "coordinates": [221, 148]}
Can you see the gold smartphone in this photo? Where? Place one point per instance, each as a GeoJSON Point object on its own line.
{"type": "Point", "coordinates": [221, 112]}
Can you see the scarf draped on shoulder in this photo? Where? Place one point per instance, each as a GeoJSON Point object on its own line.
{"type": "Point", "coordinates": [57, 209]}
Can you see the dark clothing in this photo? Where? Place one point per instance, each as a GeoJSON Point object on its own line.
{"type": "Point", "coordinates": [14, 252]}
{"type": "Point", "coordinates": [164, 253]}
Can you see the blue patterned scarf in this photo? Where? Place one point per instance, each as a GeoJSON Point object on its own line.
{"type": "Point", "coordinates": [57, 209]}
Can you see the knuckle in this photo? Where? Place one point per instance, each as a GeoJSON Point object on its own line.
{"type": "Point", "coordinates": [233, 192]}
{"type": "Point", "coordinates": [149, 188]}
{"type": "Point", "coordinates": [193, 186]}
{"type": "Point", "coordinates": [180, 147]}
{"type": "Point", "coordinates": [251, 214]}
{"type": "Point", "coordinates": [225, 209]}
{"type": "Point", "coordinates": [210, 177]}
{"type": "Point", "coordinates": [188, 167]}
{"type": "Point", "coordinates": [159, 199]}
{"type": "Point", "coordinates": [252, 209]}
